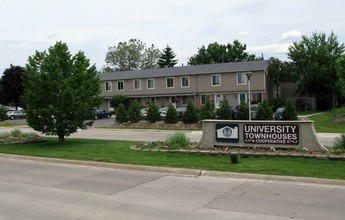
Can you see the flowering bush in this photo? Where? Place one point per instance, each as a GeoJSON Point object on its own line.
{"type": "Point", "coordinates": [16, 136]}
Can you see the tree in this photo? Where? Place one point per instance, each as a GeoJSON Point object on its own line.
{"type": "Point", "coordinates": [12, 85]}
{"type": "Point", "coordinates": [243, 111]}
{"type": "Point", "coordinates": [340, 67]}
{"type": "Point", "coordinates": [153, 114]}
{"type": "Point", "coordinates": [218, 53]}
{"type": "Point", "coordinates": [207, 110]}
{"type": "Point", "coordinates": [166, 58]}
{"type": "Point", "coordinates": [289, 113]}
{"type": "Point", "coordinates": [190, 116]}
{"type": "Point", "coordinates": [60, 91]}
{"type": "Point", "coordinates": [134, 111]}
{"type": "Point", "coordinates": [131, 55]}
{"type": "Point", "coordinates": [281, 72]}
{"type": "Point", "coordinates": [3, 115]}
{"type": "Point", "coordinates": [264, 111]}
{"type": "Point", "coordinates": [121, 114]}
{"type": "Point", "coordinates": [224, 111]}
{"type": "Point", "coordinates": [171, 117]}
{"type": "Point", "coordinates": [117, 100]}
{"type": "Point", "coordinates": [315, 60]}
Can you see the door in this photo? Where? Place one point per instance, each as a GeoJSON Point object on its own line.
{"type": "Point", "coordinates": [217, 99]}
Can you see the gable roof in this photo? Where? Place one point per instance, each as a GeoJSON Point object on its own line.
{"type": "Point", "coordinates": [260, 65]}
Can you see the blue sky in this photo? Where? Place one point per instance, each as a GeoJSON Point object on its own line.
{"type": "Point", "coordinates": [266, 26]}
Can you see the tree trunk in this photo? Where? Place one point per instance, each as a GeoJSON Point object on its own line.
{"type": "Point", "coordinates": [61, 139]}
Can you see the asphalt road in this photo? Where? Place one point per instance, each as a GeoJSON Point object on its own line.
{"type": "Point", "coordinates": [32, 189]}
{"type": "Point", "coordinates": [326, 139]}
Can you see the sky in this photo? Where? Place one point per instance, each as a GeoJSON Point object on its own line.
{"type": "Point", "coordinates": [267, 27]}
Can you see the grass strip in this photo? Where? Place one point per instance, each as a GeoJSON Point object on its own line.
{"type": "Point", "coordinates": [118, 152]}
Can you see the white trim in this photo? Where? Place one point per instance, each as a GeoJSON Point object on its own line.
{"type": "Point", "coordinates": [187, 81]}
{"type": "Point", "coordinates": [153, 82]}
{"type": "Point", "coordinates": [166, 82]}
{"type": "Point", "coordinates": [245, 79]}
{"type": "Point", "coordinates": [139, 80]}
{"type": "Point", "coordinates": [220, 79]}
{"type": "Point", "coordinates": [117, 85]}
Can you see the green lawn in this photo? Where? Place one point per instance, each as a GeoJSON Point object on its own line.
{"type": "Point", "coordinates": [118, 152]}
{"type": "Point", "coordinates": [330, 121]}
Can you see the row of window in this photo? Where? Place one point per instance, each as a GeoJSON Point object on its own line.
{"type": "Point", "coordinates": [170, 82]}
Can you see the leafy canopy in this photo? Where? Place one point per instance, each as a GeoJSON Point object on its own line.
{"type": "Point", "coordinates": [281, 72]}
{"type": "Point", "coordinates": [219, 53]}
{"type": "Point", "coordinates": [60, 91]}
{"type": "Point", "coordinates": [12, 85]}
{"type": "Point", "coordinates": [340, 67]}
{"type": "Point", "coordinates": [315, 60]}
{"type": "Point", "coordinates": [131, 55]}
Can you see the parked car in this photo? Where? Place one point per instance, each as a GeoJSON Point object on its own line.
{"type": "Point", "coordinates": [143, 112]}
{"type": "Point", "coordinates": [14, 108]}
{"type": "Point", "coordinates": [278, 115]}
{"type": "Point", "coordinates": [102, 114]}
{"type": "Point", "coordinates": [15, 114]}
{"type": "Point", "coordinates": [180, 111]}
{"type": "Point", "coordinates": [163, 111]}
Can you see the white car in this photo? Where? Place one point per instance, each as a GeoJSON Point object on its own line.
{"type": "Point", "coordinates": [15, 114]}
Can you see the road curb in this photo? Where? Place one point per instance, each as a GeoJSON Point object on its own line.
{"type": "Point", "coordinates": [181, 171]}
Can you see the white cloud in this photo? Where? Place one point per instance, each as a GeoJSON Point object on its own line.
{"type": "Point", "coordinates": [291, 35]}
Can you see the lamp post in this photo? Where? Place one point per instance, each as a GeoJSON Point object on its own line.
{"type": "Point", "coordinates": [249, 74]}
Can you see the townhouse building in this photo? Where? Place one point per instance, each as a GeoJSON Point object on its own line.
{"type": "Point", "coordinates": [177, 85]}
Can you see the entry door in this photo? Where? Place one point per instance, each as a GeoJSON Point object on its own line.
{"type": "Point", "coordinates": [242, 97]}
{"type": "Point", "coordinates": [217, 99]}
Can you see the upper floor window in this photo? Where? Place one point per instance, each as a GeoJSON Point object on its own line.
{"type": "Point", "coordinates": [150, 83]}
{"type": "Point", "coordinates": [170, 82]}
{"type": "Point", "coordinates": [108, 86]}
{"type": "Point", "coordinates": [215, 80]}
{"type": "Point", "coordinates": [241, 79]}
{"type": "Point", "coordinates": [184, 81]}
{"type": "Point", "coordinates": [120, 86]}
{"type": "Point", "coordinates": [137, 84]}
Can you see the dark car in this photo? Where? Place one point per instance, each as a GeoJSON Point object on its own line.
{"type": "Point", "coordinates": [180, 111]}
{"type": "Point", "coordinates": [15, 114]}
{"type": "Point", "coordinates": [102, 114]}
{"type": "Point", "coordinates": [278, 115]}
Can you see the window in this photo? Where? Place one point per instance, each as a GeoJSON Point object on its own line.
{"type": "Point", "coordinates": [150, 83]}
{"type": "Point", "coordinates": [184, 81]}
{"type": "Point", "coordinates": [108, 86]}
{"type": "Point", "coordinates": [215, 80]}
{"type": "Point", "coordinates": [120, 86]}
{"type": "Point", "coordinates": [203, 99]}
{"type": "Point", "coordinates": [241, 79]}
{"type": "Point", "coordinates": [256, 98]}
{"type": "Point", "coordinates": [137, 84]}
{"type": "Point", "coordinates": [184, 100]}
{"type": "Point", "coordinates": [170, 82]}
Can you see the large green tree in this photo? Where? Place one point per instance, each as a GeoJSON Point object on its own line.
{"type": "Point", "coordinates": [166, 58]}
{"type": "Point", "coordinates": [131, 55]}
{"type": "Point", "coordinates": [12, 85]}
{"type": "Point", "coordinates": [60, 91]}
{"type": "Point", "coordinates": [340, 67]}
{"type": "Point", "coordinates": [221, 53]}
{"type": "Point", "coordinates": [281, 72]}
{"type": "Point", "coordinates": [315, 61]}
